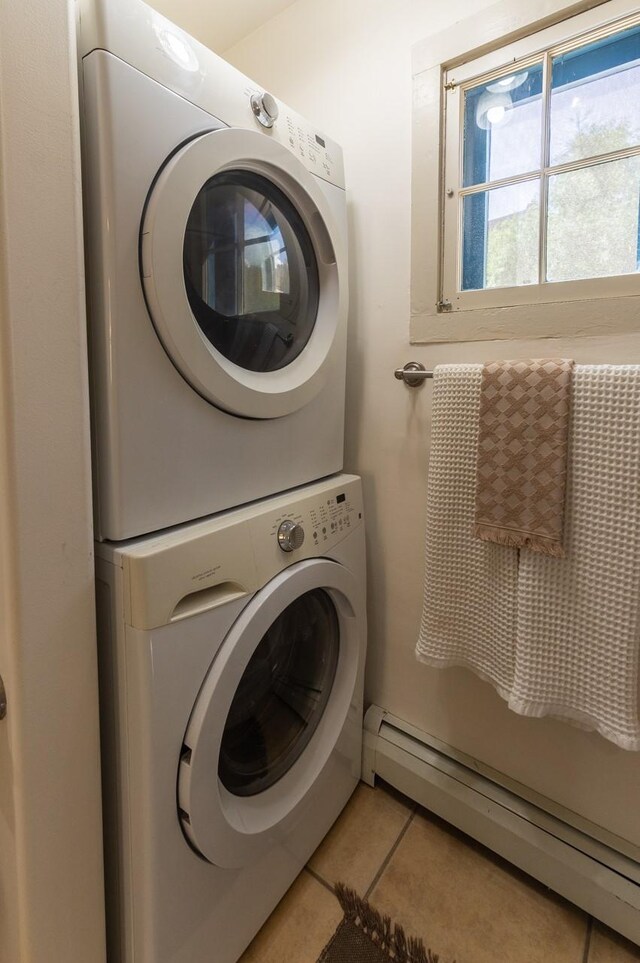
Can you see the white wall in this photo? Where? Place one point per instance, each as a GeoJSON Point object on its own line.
{"type": "Point", "coordinates": [347, 65]}
{"type": "Point", "coordinates": [51, 899]}
{"type": "Point", "coordinates": [220, 24]}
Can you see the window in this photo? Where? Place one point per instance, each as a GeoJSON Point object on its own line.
{"type": "Point", "coordinates": [549, 155]}
{"type": "Point", "coordinates": [540, 176]}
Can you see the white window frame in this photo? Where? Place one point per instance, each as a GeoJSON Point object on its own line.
{"type": "Point", "coordinates": [443, 67]}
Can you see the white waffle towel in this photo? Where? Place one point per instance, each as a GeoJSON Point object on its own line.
{"type": "Point", "coordinates": [469, 616]}
{"type": "Point", "coordinates": [555, 636]}
{"type": "Point", "coordinates": [579, 617]}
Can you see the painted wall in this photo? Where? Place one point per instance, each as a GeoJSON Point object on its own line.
{"type": "Point", "coordinates": [220, 24]}
{"type": "Point", "coordinates": [348, 66]}
{"type": "Point", "coordinates": [51, 890]}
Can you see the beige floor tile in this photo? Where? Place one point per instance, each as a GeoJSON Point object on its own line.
{"type": "Point", "coordinates": [360, 841]}
{"type": "Point", "coordinates": [470, 907]}
{"type": "Point", "coordinates": [608, 947]}
{"type": "Point", "coordinates": [300, 926]}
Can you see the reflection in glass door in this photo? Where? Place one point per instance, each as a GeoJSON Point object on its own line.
{"type": "Point", "coordinates": [250, 271]}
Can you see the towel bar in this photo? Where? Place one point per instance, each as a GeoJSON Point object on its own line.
{"type": "Point", "coordinates": [413, 374]}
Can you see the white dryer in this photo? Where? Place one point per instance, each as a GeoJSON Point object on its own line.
{"type": "Point", "coordinates": [217, 278]}
{"type": "Point", "coordinates": [232, 658]}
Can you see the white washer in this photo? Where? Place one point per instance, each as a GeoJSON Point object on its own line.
{"type": "Point", "coordinates": [217, 278]}
{"type": "Point", "coordinates": [231, 684]}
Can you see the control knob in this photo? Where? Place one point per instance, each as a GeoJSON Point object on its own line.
{"type": "Point", "coordinates": [265, 108]}
{"type": "Point", "coordinates": [290, 535]}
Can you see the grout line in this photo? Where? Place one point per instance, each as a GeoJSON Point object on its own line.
{"type": "Point", "coordinates": [319, 879]}
{"type": "Point", "coordinates": [587, 940]}
{"type": "Point", "coordinates": [385, 861]}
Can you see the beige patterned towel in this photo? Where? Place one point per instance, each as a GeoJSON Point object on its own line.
{"type": "Point", "coordinates": [522, 454]}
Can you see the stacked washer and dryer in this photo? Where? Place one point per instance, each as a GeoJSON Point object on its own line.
{"type": "Point", "coordinates": [230, 553]}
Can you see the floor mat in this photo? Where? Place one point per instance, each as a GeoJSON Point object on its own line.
{"type": "Point", "coordinates": [365, 936]}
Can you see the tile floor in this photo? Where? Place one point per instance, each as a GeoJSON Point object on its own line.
{"type": "Point", "coordinates": [467, 904]}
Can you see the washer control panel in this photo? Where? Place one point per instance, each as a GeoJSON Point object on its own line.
{"type": "Point", "coordinates": [331, 519]}
{"type": "Point", "coordinates": [318, 523]}
{"type": "Point", "coordinates": [290, 535]}
{"type": "Point", "coordinates": [230, 555]}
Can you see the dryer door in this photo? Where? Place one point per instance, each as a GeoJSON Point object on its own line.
{"type": "Point", "coordinates": [243, 270]}
{"type": "Point", "coordinates": [271, 712]}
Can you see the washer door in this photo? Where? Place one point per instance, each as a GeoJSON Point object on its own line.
{"type": "Point", "coordinates": [270, 712]}
{"type": "Point", "coordinates": [239, 259]}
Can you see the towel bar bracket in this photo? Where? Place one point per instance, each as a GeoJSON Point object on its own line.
{"type": "Point", "coordinates": [413, 374]}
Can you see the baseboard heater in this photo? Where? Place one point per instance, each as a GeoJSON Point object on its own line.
{"type": "Point", "coordinates": [563, 855]}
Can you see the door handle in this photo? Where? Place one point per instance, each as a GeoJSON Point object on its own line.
{"type": "Point", "coordinates": [3, 699]}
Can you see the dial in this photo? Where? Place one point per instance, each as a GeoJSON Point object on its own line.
{"type": "Point", "coordinates": [265, 108]}
{"type": "Point", "coordinates": [290, 535]}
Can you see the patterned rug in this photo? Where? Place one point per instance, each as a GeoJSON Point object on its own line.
{"type": "Point", "coordinates": [365, 936]}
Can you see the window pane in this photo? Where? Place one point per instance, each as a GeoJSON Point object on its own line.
{"type": "Point", "coordinates": [500, 237]}
{"type": "Point", "coordinates": [502, 127]}
{"type": "Point", "coordinates": [593, 221]}
{"type": "Point", "coordinates": [595, 98]}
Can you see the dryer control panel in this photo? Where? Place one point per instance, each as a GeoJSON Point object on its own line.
{"type": "Point", "coordinates": [161, 50]}
{"type": "Point", "coordinates": [315, 150]}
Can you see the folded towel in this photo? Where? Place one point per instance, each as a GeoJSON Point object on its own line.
{"type": "Point", "coordinates": [579, 617]}
{"type": "Point", "coordinates": [522, 454]}
{"type": "Point", "coordinates": [469, 615]}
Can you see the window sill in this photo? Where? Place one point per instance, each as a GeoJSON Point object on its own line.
{"type": "Point", "coordinates": [558, 319]}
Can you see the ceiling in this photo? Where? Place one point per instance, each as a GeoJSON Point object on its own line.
{"type": "Point", "coordinates": [220, 23]}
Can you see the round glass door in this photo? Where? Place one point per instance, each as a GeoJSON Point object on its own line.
{"type": "Point", "coordinates": [282, 695]}
{"type": "Point", "coordinates": [250, 271]}
{"type": "Point", "coordinates": [243, 265]}
{"type": "Point", "coordinates": [272, 718]}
